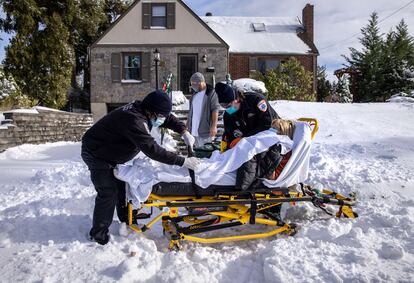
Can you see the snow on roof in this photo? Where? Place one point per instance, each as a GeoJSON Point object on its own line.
{"type": "Point", "coordinates": [279, 36]}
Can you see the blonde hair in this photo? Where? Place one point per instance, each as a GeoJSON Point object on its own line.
{"type": "Point", "coordinates": [284, 127]}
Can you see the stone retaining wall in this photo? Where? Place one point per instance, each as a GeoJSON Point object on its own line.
{"type": "Point", "coordinates": [41, 125]}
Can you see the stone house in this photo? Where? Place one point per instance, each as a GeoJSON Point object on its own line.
{"type": "Point", "coordinates": [122, 59]}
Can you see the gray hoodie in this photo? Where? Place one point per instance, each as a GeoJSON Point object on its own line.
{"type": "Point", "coordinates": [210, 104]}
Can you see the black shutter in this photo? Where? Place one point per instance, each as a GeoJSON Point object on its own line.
{"type": "Point", "coordinates": [146, 15]}
{"type": "Point", "coordinates": [170, 15]}
{"type": "Point", "coordinates": [146, 66]}
{"type": "Point", "coordinates": [253, 64]}
{"type": "Point", "coordinates": [116, 67]}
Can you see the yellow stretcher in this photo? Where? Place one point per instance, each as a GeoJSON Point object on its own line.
{"type": "Point", "coordinates": [183, 216]}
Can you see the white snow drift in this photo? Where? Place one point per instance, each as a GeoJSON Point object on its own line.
{"type": "Point", "coordinates": [47, 198]}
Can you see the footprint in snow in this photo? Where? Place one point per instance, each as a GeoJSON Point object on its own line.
{"type": "Point", "coordinates": [387, 157]}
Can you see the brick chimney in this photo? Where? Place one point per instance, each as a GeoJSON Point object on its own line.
{"type": "Point", "coordinates": [307, 20]}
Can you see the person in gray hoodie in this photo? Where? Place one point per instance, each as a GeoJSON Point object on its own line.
{"type": "Point", "coordinates": [204, 110]}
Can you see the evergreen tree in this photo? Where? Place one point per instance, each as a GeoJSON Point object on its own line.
{"type": "Point", "coordinates": [342, 92]}
{"type": "Point", "coordinates": [10, 94]}
{"type": "Point", "coordinates": [49, 49]}
{"type": "Point", "coordinates": [369, 62]}
{"type": "Point", "coordinates": [324, 86]}
{"type": "Point", "coordinates": [39, 57]}
{"type": "Point", "coordinates": [399, 55]}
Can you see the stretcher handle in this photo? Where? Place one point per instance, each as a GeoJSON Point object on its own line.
{"type": "Point", "coordinates": [313, 123]}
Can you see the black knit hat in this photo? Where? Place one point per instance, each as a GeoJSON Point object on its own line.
{"type": "Point", "coordinates": [158, 102]}
{"type": "Point", "coordinates": [225, 93]}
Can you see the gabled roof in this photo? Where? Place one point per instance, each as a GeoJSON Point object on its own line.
{"type": "Point", "coordinates": [186, 7]}
{"type": "Point", "coordinates": [280, 35]}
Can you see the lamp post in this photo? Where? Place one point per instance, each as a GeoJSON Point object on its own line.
{"type": "Point", "coordinates": [156, 60]}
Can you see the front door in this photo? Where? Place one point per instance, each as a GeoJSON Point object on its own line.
{"type": "Point", "coordinates": [187, 65]}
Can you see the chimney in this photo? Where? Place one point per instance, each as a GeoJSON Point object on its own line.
{"type": "Point", "coordinates": [209, 14]}
{"type": "Point", "coordinates": [307, 20]}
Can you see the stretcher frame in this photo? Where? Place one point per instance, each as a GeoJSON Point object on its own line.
{"type": "Point", "coordinates": [225, 210]}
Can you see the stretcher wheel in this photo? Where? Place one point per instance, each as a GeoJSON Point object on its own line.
{"type": "Point", "coordinates": [293, 229]}
{"type": "Point", "coordinates": [174, 246]}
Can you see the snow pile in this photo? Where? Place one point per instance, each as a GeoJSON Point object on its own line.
{"type": "Point", "coordinates": [279, 36]}
{"type": "Point", "coordinates": [402, 97]}
{"type": "Point", "coordinates": [250, 85]}
{"type": "Point", "coordinates": [33, 110]}
{"type": "Point", "coordinates": [180, 102]}
{"type": "Point", "coordinates": [178, 97]}
{"type": "Point", "coordinates": [47, 199]}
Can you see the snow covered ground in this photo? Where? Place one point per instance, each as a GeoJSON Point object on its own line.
{"type": "Point", "coordinates": [46, 201]}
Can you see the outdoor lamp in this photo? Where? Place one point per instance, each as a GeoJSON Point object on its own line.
{"type": "Point", "coordinates": [156, 60]}
{"type": "Point", "coordinates": [156, 55]}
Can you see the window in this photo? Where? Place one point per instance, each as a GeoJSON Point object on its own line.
{"type": "Point", "coordinates": [159, 15]}
{"type": "Point", "coordinates": [267, 64]}
{"type": "Point", "coordinates": [259, 27]}
{"type": "Point", "coordinates": [132, 67]}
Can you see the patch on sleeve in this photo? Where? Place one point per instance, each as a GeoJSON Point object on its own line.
{"type": "Point", "coordinates": [237, 133]}
{"type": "Point", "coordinates": [262, 105]}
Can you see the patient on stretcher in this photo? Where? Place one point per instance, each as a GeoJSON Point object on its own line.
{"type": "Point", "coordinates": [286, 143]}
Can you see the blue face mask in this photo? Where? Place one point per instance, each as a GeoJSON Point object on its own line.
{"type": "Point", "coordinates": [157, 122]}
{"type": "Point", "coordinates": [231, 110]}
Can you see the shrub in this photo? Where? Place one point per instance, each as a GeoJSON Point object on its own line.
{"type": "Point", "coordinates": [289, 82]}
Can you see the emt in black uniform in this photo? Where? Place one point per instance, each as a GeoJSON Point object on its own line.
{"type": "Point", "coordinates": [246, 114]}
{"type": "Point", "coordinates": [117, 138]}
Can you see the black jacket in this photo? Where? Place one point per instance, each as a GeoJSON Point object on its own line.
{"type": "Point", "coordinates": [255, 115]}
{"type": "Point", "coordinates": [261, 166]}
{"type": "Point", "coordinates": [122, 134]}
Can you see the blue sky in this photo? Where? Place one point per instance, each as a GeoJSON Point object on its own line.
{"type": "Point", "coordinates": [337, 23]}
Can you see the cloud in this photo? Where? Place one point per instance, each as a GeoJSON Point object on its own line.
{"type": "Point", "coordinates": [335, 21]}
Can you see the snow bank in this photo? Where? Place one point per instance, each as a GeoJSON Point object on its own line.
{"type": "Point", "coordinates": [46, 203]}
{"type": "Point", "coordinates": [33, 110]}
{"type": "Point", "coordinates": [402, 97]}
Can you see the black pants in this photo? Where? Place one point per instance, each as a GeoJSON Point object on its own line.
{"type": "Point", "coordinates": [111, 194]}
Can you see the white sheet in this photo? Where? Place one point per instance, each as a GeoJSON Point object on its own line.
{"type": "Point", "coordinates": [220, 169]}
{"type": "Point", "coordinates": [297, 168]}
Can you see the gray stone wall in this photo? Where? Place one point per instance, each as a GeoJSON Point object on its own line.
{"type": "Point", "coordinates": [103, 90]}
{"type": "Point", "coordinates": [44, 126]}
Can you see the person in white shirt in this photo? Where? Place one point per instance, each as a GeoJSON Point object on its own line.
{"type": "Point", "coordinates": [203, 113]}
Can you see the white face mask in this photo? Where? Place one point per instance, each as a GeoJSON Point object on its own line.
{"type": "Point", "coordinates": [157, 122]}
{"type": "Point", "coordinates": [195, 87]}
